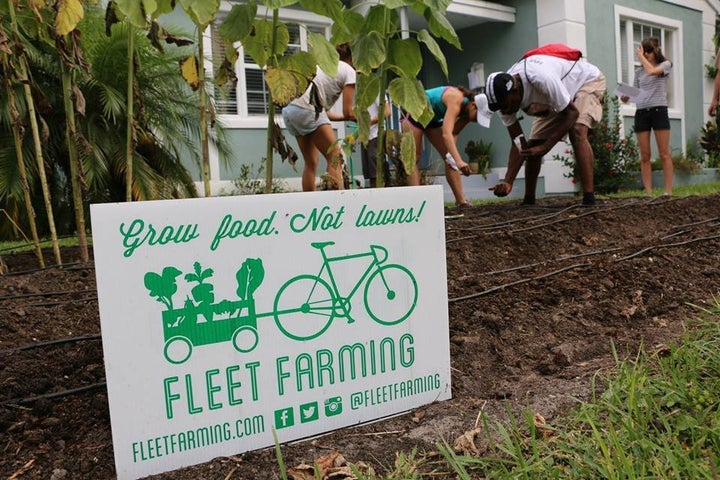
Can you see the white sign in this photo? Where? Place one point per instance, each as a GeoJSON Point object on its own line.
{"type": "Point", "coordinates": [226, 318]}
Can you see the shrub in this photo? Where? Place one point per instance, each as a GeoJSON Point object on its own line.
{"type": "Point", "coordinates": [249, 184]}
{"type": "Point", "coordinates": [479, 152]}
{"type": "Point", "coordinates": [710, 143]}
{"type": "Point", "coordinates": [689, 162]}
{"type": "Point", "coordinates": [616, 157]}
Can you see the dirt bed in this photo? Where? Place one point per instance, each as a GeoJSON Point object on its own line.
{"type": "Point", "coordinates": [538, 297]}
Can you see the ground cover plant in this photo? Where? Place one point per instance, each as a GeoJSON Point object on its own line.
{"type": "Point", "coordinates": [543, 303]}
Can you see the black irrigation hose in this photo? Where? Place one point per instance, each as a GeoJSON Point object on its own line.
{"type": "Point", "coordinates": [562, 220]}
{"type": "Point", "coordinates": [31, 346]}
{"type": "Point", "coordinates": [64, 266]}
{"type": "Point", "coordinates": [571, 267]}
{"type": "Point", "coordinates": [678, 244]}
{"type": "Point", "coordinates": [52, 304]}
{"type": "Point", "coordinates": [46, 294]}
{"type": "Point", "coordinates": [32, 245]}
{"type": "Point", "coordinates": [535, 219]}
{"type": "Point", "coordinates": [63, 393]}
{"type": "Point", "coordinates": [518, 282]}
{"type": "Point", "coordinates": [701, 222]}
{"type": "Point", "coordinates": [491, 226]}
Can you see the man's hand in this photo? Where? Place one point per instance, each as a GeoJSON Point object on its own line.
{"type": "Point", "coordinates": [464, 168]}
{"type": "Point", "coordinates": [502, 189]}
{"type": "Point", "coordinates": [712, 111]}
{"type": "Point", "coordinates": [534, 151]}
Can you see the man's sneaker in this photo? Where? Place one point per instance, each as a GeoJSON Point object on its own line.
{"type": "Point", "coordinates": [588, 199]}
{"type": "Point", "coordinates": [528, 200]}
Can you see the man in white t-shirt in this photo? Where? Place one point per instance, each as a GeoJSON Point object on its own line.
{"type": "Point", "coordinates": [565, 97]}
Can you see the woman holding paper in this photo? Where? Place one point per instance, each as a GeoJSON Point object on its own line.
{"type": "Point", "coordinates": [652, 111]}
{"type": "Point", "coordinates": [453, 108]}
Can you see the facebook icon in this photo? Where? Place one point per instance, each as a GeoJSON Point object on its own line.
{"type": "Point", "coordinates": [284, 417]}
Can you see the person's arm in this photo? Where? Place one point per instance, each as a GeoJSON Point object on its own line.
{"type": "Point", "coordinates": [348, 98]}
{"type": "Point", "coordinates": [712, 111]}
{"type": "Point", "coordinates": [647, 66]}
{"type": "Point", "coordinates": [567, 119]}
{"type": "Point", "coordinates": [453, 99]}
{"type": "Point", "coordinates": [515, 161]}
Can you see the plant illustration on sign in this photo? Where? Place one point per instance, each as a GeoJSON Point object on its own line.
{"type": "Point", "coordinates": [304, 306]}
{"type": "Point", "coordinates": [203, 293]}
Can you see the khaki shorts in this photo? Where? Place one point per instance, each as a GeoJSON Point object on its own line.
{"type": "Point", "coordinates": [588, 101]}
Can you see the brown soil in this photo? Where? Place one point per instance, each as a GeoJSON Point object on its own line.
{"type": "Point", "coordinates": [538, 297]}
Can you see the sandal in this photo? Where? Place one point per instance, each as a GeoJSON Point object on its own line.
{"type": "Point", "coordinates": [462, 206]}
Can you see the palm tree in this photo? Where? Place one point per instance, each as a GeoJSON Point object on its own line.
{"type": "Point", "coordinates": [167, 123]}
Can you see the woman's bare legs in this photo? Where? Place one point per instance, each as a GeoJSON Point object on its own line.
{"type": "Point", "coordinates": [452, 176]}
{"type": "Point", "coordinates": [320, 140]}
{"type": "Point", "coordinates": [645, 167]}
{"type": "Point", "coordinates": [662, 137]}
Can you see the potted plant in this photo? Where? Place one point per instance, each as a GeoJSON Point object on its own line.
{"type": "Point", "coordinates": [479, 156]}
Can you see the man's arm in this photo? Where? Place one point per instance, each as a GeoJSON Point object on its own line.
{"type": "Point", "coordinates": [515, 161]}
{"type": "Point", "coordinates": [712, 111]}
{"type": "Point", "coordinates": [567, 119]}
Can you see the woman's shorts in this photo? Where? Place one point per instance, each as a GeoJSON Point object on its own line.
{"type": "Point", "coordinates": [653, 118]}
{"type": "Point", "coordinates": [301, 121]}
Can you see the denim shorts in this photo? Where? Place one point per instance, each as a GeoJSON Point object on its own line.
{"type": "Point", "coordinates": [652, 118]}
{"type": "Point", "coordinates": [301, 121]}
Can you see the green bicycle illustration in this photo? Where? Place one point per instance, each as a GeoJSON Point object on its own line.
{"type": "Point", "coordinates": [306, 305]}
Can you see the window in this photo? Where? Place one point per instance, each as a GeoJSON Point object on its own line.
{"type": "Point", "coordinates": [250, 96]}
{"type": "Point", "coordinates": [632, 27]}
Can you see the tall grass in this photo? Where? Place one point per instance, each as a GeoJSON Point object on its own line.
{"type": "Point", "coordinates": [658, 417]}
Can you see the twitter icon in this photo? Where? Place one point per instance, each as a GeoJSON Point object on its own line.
{"type": "Point", "coordinates": [309, 412]}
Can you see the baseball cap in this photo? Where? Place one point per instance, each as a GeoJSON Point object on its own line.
{"type": "Point", "coordinates": [484, 114]}
{"type": "Point", "coordinates": [497, 88]}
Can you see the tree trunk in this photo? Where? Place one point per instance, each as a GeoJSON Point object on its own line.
{"type": "Point", "coordinates": [203, 115]}
{"type": "Point", "coordinates": [130, 115]}
{"type": "Point", "coordinates": [37, 143]}
{"type": "Point", "coordinates": [271, 115]}
{"type": "Point", "coordinates": [23, 173]}
{"type": "Point", "coordinates": [74, 162]}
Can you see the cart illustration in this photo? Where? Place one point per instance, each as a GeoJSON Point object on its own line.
{"type": "Point", "coordinates": [304, 306]}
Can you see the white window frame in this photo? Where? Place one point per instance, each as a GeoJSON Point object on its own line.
{"type": "Point", "coordinates": [674, 52]}
{"type": "Point", "coordinates": [242, 119]}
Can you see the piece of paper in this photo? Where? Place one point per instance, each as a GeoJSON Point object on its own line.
{"type": "Point", "coordinates": [626, 90]}
{"type": "Point", "coordinates": [451, 161]}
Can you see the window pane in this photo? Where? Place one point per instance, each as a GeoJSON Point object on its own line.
{"type": "Point", "coordinates": [625, 70]}
{"type": "Point", "coordinates": [257, 97]}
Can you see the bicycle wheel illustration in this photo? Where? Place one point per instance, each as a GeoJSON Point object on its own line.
{"type": "Point", "coordinates": [391, 294]}
{"type": "Point", "coordinates": [304, 307]}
